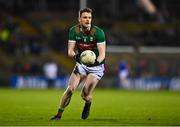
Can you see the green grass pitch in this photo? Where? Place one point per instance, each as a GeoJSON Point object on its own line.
{"type": "Point", "coordinates": [109, 108]}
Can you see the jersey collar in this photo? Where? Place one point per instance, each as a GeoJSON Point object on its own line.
{"type": "Point", "coordinates": [86, 32]}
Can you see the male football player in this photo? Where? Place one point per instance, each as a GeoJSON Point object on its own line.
{"type": "Point", "coordinates": [84, 36]}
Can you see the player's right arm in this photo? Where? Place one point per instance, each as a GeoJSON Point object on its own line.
{"type": "Point", "coordinates": [71, 49]}
{"type": "Point", "coordinates": [71, 43]}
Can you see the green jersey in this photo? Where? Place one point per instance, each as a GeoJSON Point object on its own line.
{"type": "Point", "coordinates": [88, 40]}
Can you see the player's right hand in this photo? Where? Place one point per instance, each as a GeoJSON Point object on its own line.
{"type": "Point", "coordinates": [77, 58]}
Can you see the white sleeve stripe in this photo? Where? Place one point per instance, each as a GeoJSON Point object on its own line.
{"type": "Point", "coordinates": [71, 41]}
{"type": "Point", "coordinates": [99, 43]}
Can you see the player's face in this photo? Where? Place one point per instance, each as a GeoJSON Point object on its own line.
{"type": "Point", "coordinates": [85, 19]}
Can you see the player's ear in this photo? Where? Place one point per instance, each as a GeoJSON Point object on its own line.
{"type": "Point", "coordinates": [79, 19]}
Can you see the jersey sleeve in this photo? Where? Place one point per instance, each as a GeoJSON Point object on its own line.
{"type": "Point", "coordinates": [100, 36]}
{"type": "Point", "coordinates": [72, 35]}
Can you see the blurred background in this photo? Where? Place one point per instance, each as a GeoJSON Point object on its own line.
{"type": "Point", "coordinates": [143, 42]}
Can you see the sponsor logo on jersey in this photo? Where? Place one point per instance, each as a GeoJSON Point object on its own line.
{"type": "Point", "coordinates": [78, 38]}
{"type": "Point", "coordinates": [83, 46]}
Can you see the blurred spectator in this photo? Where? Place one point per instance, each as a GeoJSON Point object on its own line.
{"type": "Point", "coordinates": [123, 74]}
{"type": "Point", "coordinates": [4, 37]}
{"type": "Point", "coordinates": [141, 68]}
{"type": "Point", "coordinates": [151, 9]}
{"type": "Point", "coordinates": [163, 69]}
{"type": "Point", "coordinates": [17, 67]}
{"type": "Point", "coordinates": [51, 71]}
{"type": "Point", "coordinates": [35, 68]}
{"type": "Point", "coordinates": [148, 6]}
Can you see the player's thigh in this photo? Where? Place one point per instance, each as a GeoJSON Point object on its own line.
{"type": "Point", "coordinates": [74, 81]}
{"type": "Point", "coordinates": [89, 84]}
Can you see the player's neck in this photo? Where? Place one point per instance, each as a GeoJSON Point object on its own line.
{"type": "Point", "coordinates": [85, 29]}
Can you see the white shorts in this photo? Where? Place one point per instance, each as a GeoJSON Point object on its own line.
{"type": "Point", "coordinates": [96, 71]}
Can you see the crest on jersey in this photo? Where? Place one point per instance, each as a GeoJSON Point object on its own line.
{"type": "Point", "coordinates": [85, 38]}
{"type": "Point", "coordinates": [91, 38]}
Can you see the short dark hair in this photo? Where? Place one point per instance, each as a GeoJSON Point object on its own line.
{"type": "Point", "coordinates": [88, 10]}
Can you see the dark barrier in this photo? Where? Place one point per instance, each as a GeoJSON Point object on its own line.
{"type": "Point", "coordinates": [152, 83]}
{"type": "Point", "coordinates": [19, 81]}
{"type": "Point", "coordinates": [149, 83]}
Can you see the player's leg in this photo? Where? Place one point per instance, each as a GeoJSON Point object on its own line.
{"type": "Point", "coordinates": [89, 85]}
{"type": "Point", "coordinates": [72, 85]}
{"type": "Point", "coordinates": [95, 74]}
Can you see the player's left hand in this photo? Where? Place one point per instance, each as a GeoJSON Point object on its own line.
{"type": "Point", "coordinates": [95, 63]}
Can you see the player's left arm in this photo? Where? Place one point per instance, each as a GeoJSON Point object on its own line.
{"type": "Point", "coordinates": [102, 51]}
{"type": "Point", "coordinates": [101, 46]}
